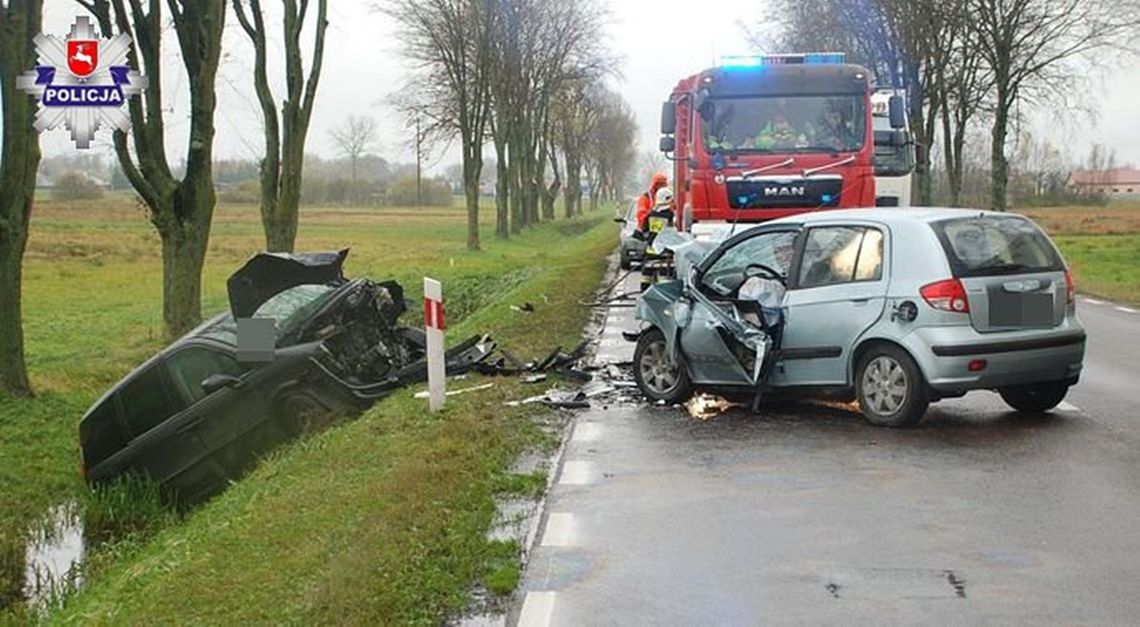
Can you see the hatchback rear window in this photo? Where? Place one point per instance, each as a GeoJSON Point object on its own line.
{"type": "Point", "coordinates": [989, 245]}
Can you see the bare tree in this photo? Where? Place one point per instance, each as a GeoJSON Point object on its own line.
{"type": "Point", "coordinates": [281, 168]}
{"type": "Point", "coordinates": [964, 87]}
{"type": "Point", "coordinates": [355, 137]}
{"type": "Point", "coordinates": [1031, 48]}
{"type": "Point", "coordinates": [19, 24]}
{"type": "Point", "coordinates": [180, 209]}
{"type": "Point", "coordinates": [450, 41]}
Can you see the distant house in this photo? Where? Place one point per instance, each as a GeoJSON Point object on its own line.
{"type": "Point", "coordinates": [1115, 183]}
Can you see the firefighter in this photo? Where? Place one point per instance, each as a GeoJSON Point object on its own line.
{"type": "Point", "coordinates": [646, 201]}
{"type": "Point", "coordinates": [657, 265]}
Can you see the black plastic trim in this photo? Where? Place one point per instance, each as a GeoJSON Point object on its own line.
{"type": "Point", "coordinates": [1011, 346]}
{"type": "Point", "coordinates": [811, 352]}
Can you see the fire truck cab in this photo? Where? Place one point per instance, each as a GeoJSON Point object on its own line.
{"type": "Point", "coordinates": [763, 137]}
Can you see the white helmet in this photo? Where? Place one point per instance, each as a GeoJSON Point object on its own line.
{"type": "Point", "coordinates": [664, 196]}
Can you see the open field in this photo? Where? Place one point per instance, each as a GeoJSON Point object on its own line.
{"type": "Point", "coordinates": [1101, 245]}
{"type": "Point", "coordinates": [92, 312]}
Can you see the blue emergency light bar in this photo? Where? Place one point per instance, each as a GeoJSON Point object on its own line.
{"type": "Point", "coordinates": [762, 60]}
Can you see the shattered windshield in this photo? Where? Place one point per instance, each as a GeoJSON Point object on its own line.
{"type": "Point", "coordinates": [287, 309]}
{"type": "Point", "coordinates": [785, 124]}
{"type": "Point", "coordinates": [293, 306]}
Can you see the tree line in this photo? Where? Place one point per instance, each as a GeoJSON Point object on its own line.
{"type": "Point", "coordinates": [967, 64]}
{"type": "Point", "coordinates": [529, 76]}
{"type": "Point", "coordinates": [525, 75]}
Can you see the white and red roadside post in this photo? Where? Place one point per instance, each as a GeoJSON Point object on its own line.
{"type": "Point", "coordinates": [434, 326]}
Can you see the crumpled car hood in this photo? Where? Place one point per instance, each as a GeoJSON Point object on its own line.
{"type": "Point", "coordinates": [267, 274]}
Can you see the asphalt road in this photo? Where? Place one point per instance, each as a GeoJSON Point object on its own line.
{"type": "Point", "coordinates": [806, 514]}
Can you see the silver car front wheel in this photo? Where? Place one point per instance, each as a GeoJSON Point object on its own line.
{"type": "Point", "coordinates": [659, 377]}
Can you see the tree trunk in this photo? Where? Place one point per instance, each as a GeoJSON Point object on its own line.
{"type": "Point", "coordinates": [13, 372]}
{"type": "Point", "coordinates": [999, 165]}
{"type": "Point", "coordinates": [550, 193]}
{"type": "Point", "coordinates": [183, 255]}
{"type": "Point", "coordinates": [472, 168]}
{"type": "Point", "coordinates": [502, 188]}
{"type": "Point", "coordinates": [20, 159]}
{"type": "Point", "coordinates": [472, 190]}
{"type": "Point", "coordinates": [518, 217]}
{"type": "Point", "coordinates": [573, 192]}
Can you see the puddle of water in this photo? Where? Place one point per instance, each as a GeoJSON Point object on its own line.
{"type": "Point", "coordinates": [54, 552]}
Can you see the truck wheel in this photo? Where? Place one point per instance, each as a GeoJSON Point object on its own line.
{"type": "Point", "coordinates": [1035, 398]}
{"type": "Point", "coordinates": [890, 388]}
{"type": "Point", "coordinates": [659, 377]}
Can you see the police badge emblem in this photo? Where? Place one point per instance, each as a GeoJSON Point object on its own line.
{"type": "Point", "coordinates": [82, 82]}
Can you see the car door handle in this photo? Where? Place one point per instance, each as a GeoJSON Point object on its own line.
{"type": "Point", "coordinates": [189, 426]}
{"type": "Point", "coordinates": [860, 301]}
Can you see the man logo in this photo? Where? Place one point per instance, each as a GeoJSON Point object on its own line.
{"type": "Point", "coordinates": [785, 190]}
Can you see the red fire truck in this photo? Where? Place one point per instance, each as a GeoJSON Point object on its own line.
{"type": "Point", "coordinates": [759, 138]}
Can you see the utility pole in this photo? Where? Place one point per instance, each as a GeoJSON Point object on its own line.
{"type": "Point", "coordinates": [419, 158]}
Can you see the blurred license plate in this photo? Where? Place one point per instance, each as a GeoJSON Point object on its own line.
{"type": "Point", "coordinates": [1021, 310]}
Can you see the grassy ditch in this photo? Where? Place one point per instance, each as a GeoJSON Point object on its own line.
{"type": "Point", "coordinates": [382, 519]}
{"type": "Point", "coordinates": [92, 312]}
{"type": "Point", "coordinates": [1101, 244]}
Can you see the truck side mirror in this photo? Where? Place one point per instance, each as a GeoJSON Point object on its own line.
{"type": "Point", "coordinates": [668, 118]}
{"type": "Point", "coordinates": [668, 144]}
{"type": "Point", "coordinates": [897, 112]}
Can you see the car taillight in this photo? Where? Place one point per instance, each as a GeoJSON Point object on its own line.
{"type": "Point", "coordinates": [1070, 288]}
{"type": "Point", "coordinates": [948, 295]}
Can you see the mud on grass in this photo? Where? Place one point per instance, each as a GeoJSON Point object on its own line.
{"type": "Point", "coordinates": [383, 519]}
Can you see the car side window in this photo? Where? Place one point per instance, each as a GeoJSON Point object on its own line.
{"type": "Point", "coordinates": [190, 366]}
{"type": "Point", "coordinates": [101, 434]}
{"type": "Point", "coordinates": [145, 401]}
{"type": "Point", "coordinates": [774, 250]}
{"type": "Point", "coordinates": [841, 254]}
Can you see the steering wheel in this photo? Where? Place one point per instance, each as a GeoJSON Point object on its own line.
{"type": "Point", "coordinates": [764, 270]}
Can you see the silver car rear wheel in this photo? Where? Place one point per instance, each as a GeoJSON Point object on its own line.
{"type": "Point", "coordinates": [890, 387]}
{"type": "Point", "coordinates": [884, 385]}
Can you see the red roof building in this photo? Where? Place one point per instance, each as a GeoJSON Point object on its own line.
{"type": "Point", "coordinates": [1118, 182]}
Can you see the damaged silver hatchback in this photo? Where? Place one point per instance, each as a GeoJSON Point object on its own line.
{"type": "Point", "coordinates": [893, 308]}
{"type": "Point", "coordinates": [200, 412]}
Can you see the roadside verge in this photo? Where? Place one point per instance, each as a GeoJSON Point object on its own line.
{"type": "Point", "coordinates": [381, 519]}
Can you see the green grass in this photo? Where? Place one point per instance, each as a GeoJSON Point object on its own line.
{"type": "Point", "coordinates": [1101, 245]}
{"type": "Point", "coordinates": [1104, 265]}
{"type": "Point", "coordinates": [380, 518]}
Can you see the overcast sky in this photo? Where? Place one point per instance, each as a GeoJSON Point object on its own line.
{"type": "Point", "coordinates": [658, 41]}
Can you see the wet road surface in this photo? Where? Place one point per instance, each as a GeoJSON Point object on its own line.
{"type": "Point", "coordinates": [806, 514]}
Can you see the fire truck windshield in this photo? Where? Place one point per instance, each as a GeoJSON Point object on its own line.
{"type": "Point", "coordinates": [779, 124]}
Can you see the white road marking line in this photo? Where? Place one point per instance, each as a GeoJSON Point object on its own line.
{"type": "Point", "coordinates": [1126, 309]}
{"type": "Point", "coordinates": [537, 609]}
{"type": "Point", "coordinates": [1093, 301]}
{"type": "Point", "coordinates": [576, 473]}
{"type": "Point", "coordinates": [561, 530]}
{"type": "Point", "coordinates": [587, 432]}
{"type": "Point", "coordinates": [1066, 406]}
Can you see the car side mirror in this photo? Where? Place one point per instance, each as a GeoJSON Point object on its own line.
{"type": "Point", "coordinates": [217, 382]}
{"type": "Point", "coordinates": [668, 144]}
{"type": "Point", "coordinates": [694, 277]}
